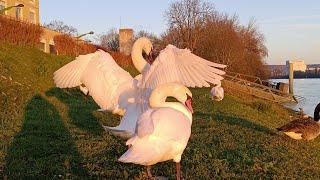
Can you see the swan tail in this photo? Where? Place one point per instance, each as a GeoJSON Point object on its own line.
{"type": "Point", "coordinates": [118, 132]}
{"type": "Point", "coordinates": [146, 152]}
{"type": "Point", "coordinates": [138, 156]}
{"type": "Point", "coordinates": [132, 140]}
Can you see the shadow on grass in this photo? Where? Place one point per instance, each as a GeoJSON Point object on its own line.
{"type": "Point", "coordinates": [232, 120]}
{"type": "Point", "coordinates": [80, 109]}
{"type": "Point", "coordinates": [43, 147]}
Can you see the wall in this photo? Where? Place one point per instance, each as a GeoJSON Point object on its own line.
{"type": "Point", "coordinates": [29, 6]}
{"type": "Point", "coordinates": [47, 43]}
{"type": "Point", "coordinates": [47, 40]}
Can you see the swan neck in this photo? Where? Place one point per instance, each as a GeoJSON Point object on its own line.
{"type": "Point", "coordinates": [158, 100]}
{"type": "Point", "coordinates": [138, 61]}
{"type": "Point", "coordinates": [317, 113]}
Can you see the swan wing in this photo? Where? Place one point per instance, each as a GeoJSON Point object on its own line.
{"type": "Point", "coordinates": [174, 65]}
{"type": "Point", "coordinates": [108, 84]}
{"type": "Point", "coordinates": [182, 66]}
{"type": "Point", "coordinates": [69, 75]}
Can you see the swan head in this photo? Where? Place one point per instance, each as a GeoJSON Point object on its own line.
{"type": "Point", "coordinates": [184, 95]}
{"type": "Point", "coordinates": [146, 45]}
{"type": "Point", "coordinates": [188, 103]}
{"type": "Point", "coordinates": [181, 93]}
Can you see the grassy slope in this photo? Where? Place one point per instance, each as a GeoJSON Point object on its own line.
{"type": "Point", "coordinates": [46, 131]}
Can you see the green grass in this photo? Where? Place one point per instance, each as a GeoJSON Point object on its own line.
{"type": "Point", "coordinates": [54, 133]}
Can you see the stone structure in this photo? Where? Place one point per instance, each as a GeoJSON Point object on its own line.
{"type": "Point", "coordinates": [47, 43]}
{"type": "Point", "coordinates": [30, 11]}
{"type": "Point", "coordinates": [125, 41]}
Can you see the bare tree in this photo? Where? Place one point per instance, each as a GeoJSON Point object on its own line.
{"type": "Point", "coordinates": [194, 24]}
{"type": "Point", "coordinates": [220, 40]}
{"type": "Point", "coordinates": [109, 40]}
{"type": "Point", "coordinates": [61, 27]}
{"type": "Point", "coordinates": [186, 18]}
{"type": "Point", "coordinates": [143, 33]}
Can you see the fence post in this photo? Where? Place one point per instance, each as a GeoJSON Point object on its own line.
{"type": "Point", "coordinates": [291, 77]}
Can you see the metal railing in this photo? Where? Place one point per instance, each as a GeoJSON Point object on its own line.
{"type": "Point", "coordinates": [259, 88]}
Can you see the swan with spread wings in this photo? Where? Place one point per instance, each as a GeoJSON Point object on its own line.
{"type": "Point", "coordinates": [114, 89]}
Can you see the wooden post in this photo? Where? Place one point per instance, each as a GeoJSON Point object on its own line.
{"type": "Point", "coordinates": [291, 73]}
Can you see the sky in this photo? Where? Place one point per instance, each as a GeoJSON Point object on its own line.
{"type": "Point", "coordinates": [291, 27]}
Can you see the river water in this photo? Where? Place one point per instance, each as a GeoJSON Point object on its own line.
{"type": "Point", "coordinates": [307, 88]}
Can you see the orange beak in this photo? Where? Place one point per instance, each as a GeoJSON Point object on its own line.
{"type": "Point", "coordinates": [188, 103]}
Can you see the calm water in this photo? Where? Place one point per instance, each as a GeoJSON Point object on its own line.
{"type": "Point", "coordinates": [307, 88]}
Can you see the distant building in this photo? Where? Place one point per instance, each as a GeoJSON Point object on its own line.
{"type": "Point", "coordinates": [30, 13]}
{"type": "Point", "coordinates": [313, 67]}
{"type": "Point", "coordinates": [282, 71]}
{"type": "Point", "coordinates": [278, 70]}
{"type": "Point", "coordinates": [298, 65]}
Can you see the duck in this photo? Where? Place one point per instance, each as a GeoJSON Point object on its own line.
{"type": "Point", "coordinates": [163, 130]}
{"type": "Point", "coordinates": [304, 127]}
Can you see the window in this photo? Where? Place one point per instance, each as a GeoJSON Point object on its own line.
{"type": "Point", "coordinates": [2, 5]}
{"type": "Point", "coordinates": [32, 17]}
{"type": "Point", "coordinates": [52, 49]}
{"type": "Point", "coordinates": [18, 13]}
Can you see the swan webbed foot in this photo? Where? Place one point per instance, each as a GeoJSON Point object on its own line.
{"type": "Point", "coordinates": [151, 177]}
{"type": "Point", "coordinates": [149, 174]}
{"type": "Point", "coordinates": [178, 168]}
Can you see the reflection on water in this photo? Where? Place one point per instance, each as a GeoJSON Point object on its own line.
{"type": "Point", "coordinates": [307, 88]}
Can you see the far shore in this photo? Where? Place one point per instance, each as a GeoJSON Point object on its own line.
{"type": "Point", "coordinates": [272, 78]}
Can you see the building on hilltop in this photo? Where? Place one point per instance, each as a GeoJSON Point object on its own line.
{"type": "Point", "coordinates": [30, 13]}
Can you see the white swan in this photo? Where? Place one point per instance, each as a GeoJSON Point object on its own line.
{"type": "Point", "coordinates": [99, 75]}
{"type": "Point", "coordinates": [116, 90]}
{"type": "Point", "coordinates": [217, 93]}
{"type": "Point", "coordinates": [162, 131]}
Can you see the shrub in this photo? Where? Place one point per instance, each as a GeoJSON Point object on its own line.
{"type": "Point", "coordinates": [121, 59]}
{"type": "Point", "coordinates": [218, 37]}
{"type": "Point", "coordinates": [67, 45]}
{"type": "Point", "coordinates": [18, 32]}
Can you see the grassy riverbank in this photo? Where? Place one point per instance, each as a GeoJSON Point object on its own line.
{"type": "Point", "coordinates": [49, 132]}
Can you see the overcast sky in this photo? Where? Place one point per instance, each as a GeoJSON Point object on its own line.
{"type": "Point", "coordinates": [291, 27]}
